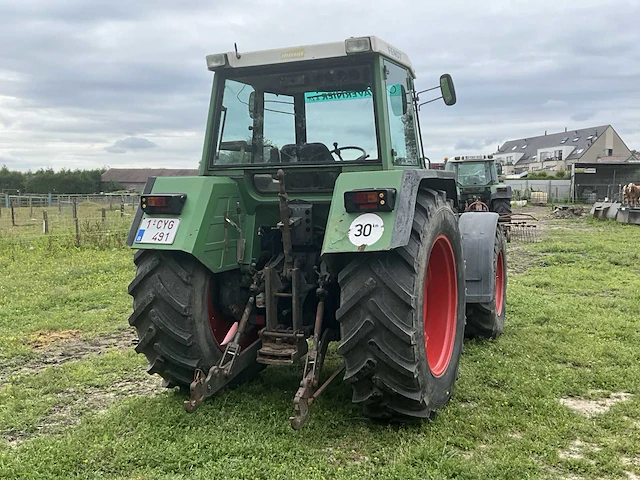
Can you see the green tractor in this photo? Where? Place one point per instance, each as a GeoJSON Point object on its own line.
{"type": "Point", "coordinates": [314, 220]}
{"type": "Point", "coordinates": [479, 185]}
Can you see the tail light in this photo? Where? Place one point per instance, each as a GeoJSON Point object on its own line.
{"type": "Point", "coordinates": [163, 203]}
{"type": "Point", "coordinates": [377, 200]}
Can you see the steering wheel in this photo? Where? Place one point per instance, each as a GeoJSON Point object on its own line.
{"type": "Point", "coordinates": [336, 151]}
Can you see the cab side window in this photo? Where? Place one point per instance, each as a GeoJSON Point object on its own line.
{"type": "Point", "coordinates": [401, 115]}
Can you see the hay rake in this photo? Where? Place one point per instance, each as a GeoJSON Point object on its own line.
{"type": "Point", "coordinates": [518, 227]}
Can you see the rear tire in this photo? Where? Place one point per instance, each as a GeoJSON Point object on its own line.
{"type": "Point", "coordinates": [501, 206]}
{"type": "Point", "coordinates": [175, 317]}
{"type": "Point", "coordinates": [388, 307]}
{"type": "Point", "coordinates": [486, 320]}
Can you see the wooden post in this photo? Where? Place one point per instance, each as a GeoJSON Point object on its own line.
{"type": "Point", "coordinates": [30, 207]}
{"type": "Point", "coordinates": [104, 215]}
{"type": "Point", "coordinates": [77, 231]}
{"type": "Point", "coordinates": [13, 215]}
{"type": "Point", "coordinates": [59, 203]}
{"type": "Point", "coordinates": [122, 209]}
{"type": "Point", "coordinates": [45, 222]}
{"type": "Point", "coordinates": [75, 209]}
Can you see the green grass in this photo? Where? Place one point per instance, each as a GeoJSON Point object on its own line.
{"type": "Point", "coordinates": [573, 329]}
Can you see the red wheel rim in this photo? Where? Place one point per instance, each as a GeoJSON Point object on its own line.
{"type": "Point", "coordinates": [499, 284]}
{"type": "Point", "coordinates": [440, 309]}
{"type": "Point", "coordinates": [221, 324]}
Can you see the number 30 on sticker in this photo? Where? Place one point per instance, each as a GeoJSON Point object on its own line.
{"type": "Point", "coordinates": [366, 229]}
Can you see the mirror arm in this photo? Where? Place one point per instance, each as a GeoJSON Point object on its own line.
{"type": "Point", "coordinates": [427, 90]}
{"type": "Point", "coordinates": [428, 101]}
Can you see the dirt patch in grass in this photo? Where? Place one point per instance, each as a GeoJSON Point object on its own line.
{"type": "Point", "coordinates": [56, 348]}
{"type": "Point", "coordinates": [43, 339]}
{"type": "Point", "coordinates": [519, 259]}
{"type": "Point", "coordinates": [590, 407]}
{"type": "Point", "coordinates": [76, 403]}
{"type": "Point", "coordinates": [578, 449]}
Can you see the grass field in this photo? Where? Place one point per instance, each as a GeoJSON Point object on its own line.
{"type": "Point", "coordinates": [557, 396]}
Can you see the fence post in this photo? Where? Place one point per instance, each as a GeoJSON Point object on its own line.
{"type": "Point", "coordinates": [45, 222]}
{"type": "Point", "coordinates": [49, 200]}
{"type": "Point", "coordinates": [122, 209]}
{"type": "Point", "coordinates": [13, 215]}
{"type": "Point", "coordinates": [77, 231]}
{"type": "Point", "coordinates": [30, 207]}
{"type": "Point", "coordinates": [75, 209]}
{"type": "Point", "coordinates": [104, 215]}
{"type": "Point", "coordinates": [6, 200]}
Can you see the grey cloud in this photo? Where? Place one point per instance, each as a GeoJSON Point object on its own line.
{"type": "Point", "coordinates": [581, 117]}
{"type": "Point", "coordinates": [115, 70]}
{"type": "Point", "coordinates": [469, 145]}
{"type": "Point", "coordinates": [130, 143]}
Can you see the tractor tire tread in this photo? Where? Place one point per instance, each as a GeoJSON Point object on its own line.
{"type": "Point", "coordinates": [379, 346]}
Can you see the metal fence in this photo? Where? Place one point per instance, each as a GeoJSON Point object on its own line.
{"type": "Point", "coordinates": [590, 193]}
{"type": "Point", "coordinates": [53, 200]}
{"type": "Point", "coordinates": [555, 190]}
{"type": "Point", "coordinates": [97, 220]}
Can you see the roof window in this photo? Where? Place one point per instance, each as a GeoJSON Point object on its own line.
{"type": "Point", "coordinates": [580, 151]}
{"type": "Point", "coordinates": [564, 140]}
{"type": "Point", "coordinates": [514, 147]}
{"type": "Point", "coordinates": [575, 139]}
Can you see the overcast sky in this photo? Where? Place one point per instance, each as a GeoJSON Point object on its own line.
{"type": "Point", "coordinates": [87, 84]}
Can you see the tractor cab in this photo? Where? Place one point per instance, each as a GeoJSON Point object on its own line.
{"type": "Point", "coordinates": [473, 171]}
{"type": "Point", "coordinates": [345, 105]}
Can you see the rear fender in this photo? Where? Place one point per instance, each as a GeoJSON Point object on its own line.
{"type": "Point", "coordinates": [203, 231]}
{"type": "Point", "coordinates": [388, 230]}
{"type": "Point", "coordinates": [478, 230]}
{"type": "Point", "coordinates": [507, 194]}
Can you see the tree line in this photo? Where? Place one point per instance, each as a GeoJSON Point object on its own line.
{"type": "Point", "coordinates": [48, 181]}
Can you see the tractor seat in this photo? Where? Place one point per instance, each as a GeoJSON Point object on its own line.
{"type": "Point", "coordinates": [305, 153]}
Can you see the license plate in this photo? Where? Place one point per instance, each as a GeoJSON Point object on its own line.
{"type": "Point", "coordinates": [157, 230]}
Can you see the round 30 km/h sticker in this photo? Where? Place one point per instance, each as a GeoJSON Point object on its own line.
{"type": "Point", "coordinates": [366, 229]}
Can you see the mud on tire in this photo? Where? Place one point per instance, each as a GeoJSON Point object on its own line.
{"type": "Point", "coordinates": [382, 318]}
{"type": "Point", "coordinates": [172, 311]}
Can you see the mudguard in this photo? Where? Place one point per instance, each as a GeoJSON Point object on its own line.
{"type": "Point", "coordinates": [478, 230]}
{"type": "Point", "coordinates": [507, 194]}
{"type": "Point", "coordinates": [207, 222]}
{"type": "Point", "coordinates": [345, 231]}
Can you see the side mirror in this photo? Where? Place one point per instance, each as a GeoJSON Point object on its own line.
{"type": "Point", "coordinates": [447, 89]}
{"type": "Point", "coordinates": [252, 104]}
{"type": "Point", "coordinates": [398, 99]}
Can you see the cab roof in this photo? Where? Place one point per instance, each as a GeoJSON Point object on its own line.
{"type": "Point", "coordinates": [352, 46]}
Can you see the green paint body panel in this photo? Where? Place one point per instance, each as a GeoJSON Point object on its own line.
{"type": "Point", "coordinates": [203, 231]}
{"type": "Point", "coordinates": [336, 239]}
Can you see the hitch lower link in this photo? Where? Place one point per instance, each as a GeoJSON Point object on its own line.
{"type": "Point", "coordinates": [231, 363]}
{"type": "Point", "coordinates": [309, 390]}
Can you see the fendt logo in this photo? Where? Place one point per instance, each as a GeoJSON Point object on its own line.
{"type": "Point", "coordinates": [394, 53]}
